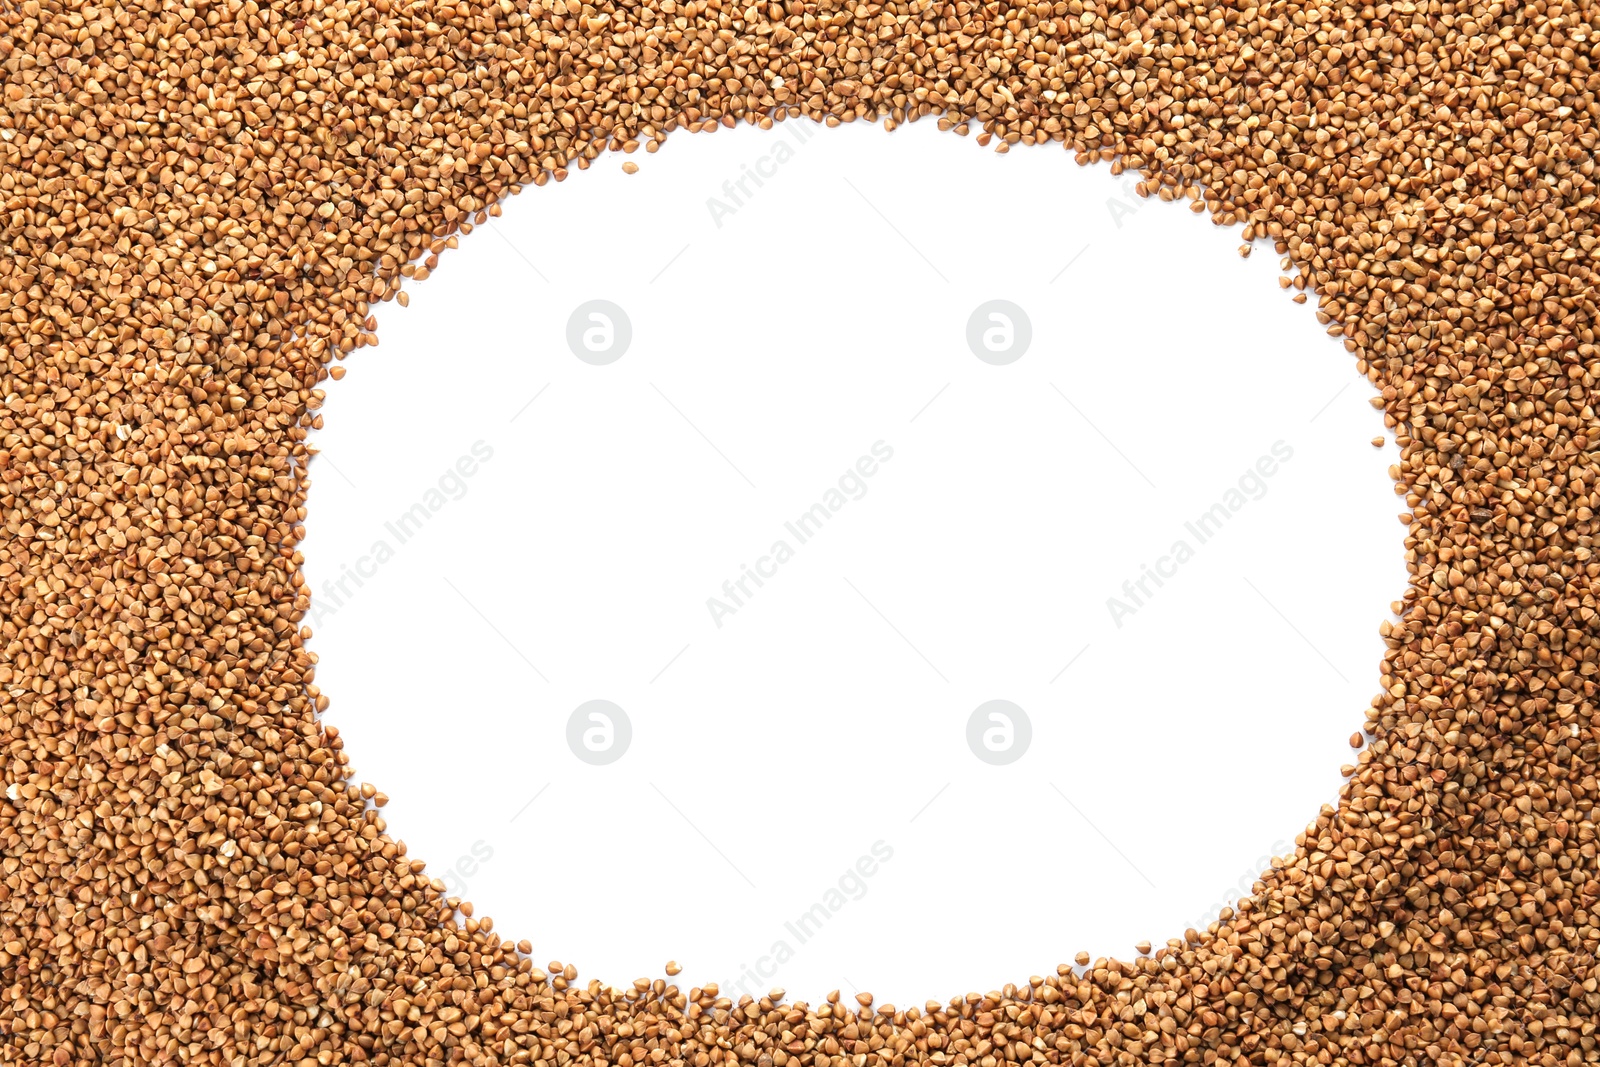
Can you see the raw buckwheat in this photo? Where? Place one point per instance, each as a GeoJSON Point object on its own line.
{"type": "Point", "coordinates": [201, 200]}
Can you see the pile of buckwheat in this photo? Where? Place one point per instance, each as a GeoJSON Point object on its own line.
{"type": "Point", "coordinates": [200, 200]}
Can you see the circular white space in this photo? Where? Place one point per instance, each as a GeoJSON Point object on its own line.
{"type": "Point", "coordinates": [1160, 531]}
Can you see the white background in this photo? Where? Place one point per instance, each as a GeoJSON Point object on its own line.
{"type": "Point", "coordinates": [827, 312]}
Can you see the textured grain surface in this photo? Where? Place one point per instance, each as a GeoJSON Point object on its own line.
{"type": "Point", "coordinates": [199, 203]}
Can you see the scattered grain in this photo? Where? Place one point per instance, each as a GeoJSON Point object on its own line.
{"type": "Point", "coordinates": [203, 201]}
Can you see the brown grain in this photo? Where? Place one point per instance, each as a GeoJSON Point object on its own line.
{"type": "Point", "coordinates": [200, 202]}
